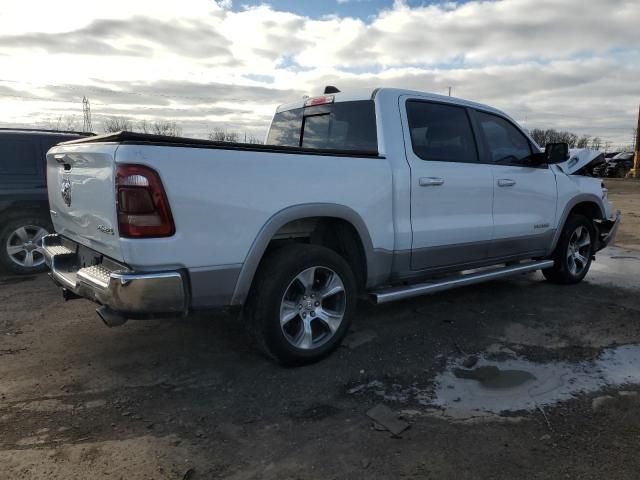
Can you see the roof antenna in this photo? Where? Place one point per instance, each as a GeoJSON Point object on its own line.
{"type": "Point", "coordinates": [330, 89]}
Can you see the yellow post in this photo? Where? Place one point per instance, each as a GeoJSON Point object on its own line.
{"type": "Point", "coordinates": [635, 171]}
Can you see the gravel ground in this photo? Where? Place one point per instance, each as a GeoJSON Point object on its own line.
{"type": "Point", "coordinates": [190, 399]}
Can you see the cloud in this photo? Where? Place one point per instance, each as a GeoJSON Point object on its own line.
{"type": "Point", "coordinates": [138, 36]}
{"type": "Point", "coordinates": [569, 64]}
{"type": "Point", "coordinates": [492, 32]}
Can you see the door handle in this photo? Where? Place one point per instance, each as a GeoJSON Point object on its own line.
{"type": "Point", "coordinates": [430, 181]}
{"type": "Point", "coordinates": [506, 182]}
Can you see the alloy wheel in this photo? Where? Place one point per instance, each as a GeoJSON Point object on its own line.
{"type": "Point", "coordinates": [312, 308]}
{"type": "Point", "coordinates": [24, 246]}
{"type": "Point", "coordinates": [579, 250]}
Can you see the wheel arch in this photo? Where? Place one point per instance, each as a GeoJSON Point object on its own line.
{"type": "Point", "coordinates": [375, 262]}
{"type": "Point", "coordinates": [585, 204]}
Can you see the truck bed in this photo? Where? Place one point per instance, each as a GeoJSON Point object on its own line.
{"type": "Point", "coordinates": [135, 138]}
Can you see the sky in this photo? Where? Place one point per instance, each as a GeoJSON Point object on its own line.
{"type": "Point", "coordinates": [205, 64]}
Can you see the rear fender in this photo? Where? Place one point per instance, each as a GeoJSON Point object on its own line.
{"type": "Point", "coordinates": [378, 262]}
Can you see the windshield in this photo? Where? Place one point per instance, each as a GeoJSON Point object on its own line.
{"type": "Point", "coordinates": [348, 126]}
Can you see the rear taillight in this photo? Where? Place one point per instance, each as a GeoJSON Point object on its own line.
{"type": "Point", "coordinates": [143, 208]}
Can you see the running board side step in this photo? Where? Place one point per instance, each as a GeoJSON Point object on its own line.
{"type": "Point", "coordinates": [407, 291]}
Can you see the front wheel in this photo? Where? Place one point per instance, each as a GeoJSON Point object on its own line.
{"type": "Point", "coordinates": [301, 304]}
{"type": "Point", "coordinates": [574, 251]}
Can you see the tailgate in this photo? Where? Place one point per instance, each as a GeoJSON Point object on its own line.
{"type": "Point", "coordinates": [81, 186]}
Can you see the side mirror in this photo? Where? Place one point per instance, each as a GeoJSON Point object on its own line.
{"type": "Point", "coordinates": [556, 153]}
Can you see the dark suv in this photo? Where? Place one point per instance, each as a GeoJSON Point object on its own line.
{"type": "Point", "coordinates": [24, 207]}
{"type": "Point", "coordinates": [619, 165]}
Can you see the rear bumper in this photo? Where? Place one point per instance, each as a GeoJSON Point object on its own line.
{"type": "Point", "coordinates": [608, 230]}
{"type": "Point", "coordinates": [132, 294]}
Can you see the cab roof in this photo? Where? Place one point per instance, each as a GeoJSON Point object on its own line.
{"type": "Point", "coordinates": [370, 94]}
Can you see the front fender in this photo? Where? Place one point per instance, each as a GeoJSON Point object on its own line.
{"type": "Point", "coordinates": [576, 200]}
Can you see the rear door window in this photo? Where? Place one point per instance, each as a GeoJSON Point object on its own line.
{"type": "Point", "coordinates": [441, 132]}
{"type": "Point", "coordinates": [343, 126]}
{"type": "Point", "coordinates": [20, 156]}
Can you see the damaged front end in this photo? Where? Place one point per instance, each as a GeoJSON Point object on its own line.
{"type": "Point", "coordinates": [607, 230]}
{"type": "Point", "coordinates": [583, 161]}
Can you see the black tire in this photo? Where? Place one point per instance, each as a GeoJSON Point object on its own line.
{"type": "Point", "coordinates": [276, 278]}
{"type": "Point", "coordinates": [9, 260]}
{"type": "Point", "coordinates": [563, 272]}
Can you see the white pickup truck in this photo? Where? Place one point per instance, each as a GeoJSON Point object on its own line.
{"type": "Point", "coordinates": [390, 193]}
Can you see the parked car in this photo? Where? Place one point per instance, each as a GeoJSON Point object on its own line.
{"type": "Point", "coordinates": [387, 193]}
{"type": "Point", "coordinates": [24, 210]}
{"type": "Point", "coordinates": [598, 170]}
{"type": "Point", "coordinates": [619, 165]}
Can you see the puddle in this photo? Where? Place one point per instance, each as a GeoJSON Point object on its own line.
{"type": "Point", "coordinates": [517, 384]}
{"type": "Point", "coordinates": [492, 377]}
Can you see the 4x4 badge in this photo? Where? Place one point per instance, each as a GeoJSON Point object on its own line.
{"type": "Point", "coordinates": [65, 191]}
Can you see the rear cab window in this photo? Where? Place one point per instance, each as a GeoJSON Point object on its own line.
{"type": "Point", "coordinates": [342, 126]}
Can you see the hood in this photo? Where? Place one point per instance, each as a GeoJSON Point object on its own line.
{"type": "Point", "coordinates": [580, 158]}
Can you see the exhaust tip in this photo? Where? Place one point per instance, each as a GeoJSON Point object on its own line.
{"type": "Point", "coordinates": [110, 318]}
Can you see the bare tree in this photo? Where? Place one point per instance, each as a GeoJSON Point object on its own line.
{"type": "Point", "coordinates": [144, 126]}
{"type": "Point", "coordinates": [550, 135]}
{"type": "Point", "coordinates": [583, 141]}
{"type": "Point", "coordinates": [253, 139]}
{"type": "Point", "coordinates": [161, 127]}
{"type": "Point", "coordinates": [117, 124]}
{"type": "Point", "coordinates": [62, 123]}
{"type": "Point", "coordinates": [217, 135]}
{"type": "Point", "coordinates": [221, 135]}
{"type": "Point", "coordinates": [596, 143]}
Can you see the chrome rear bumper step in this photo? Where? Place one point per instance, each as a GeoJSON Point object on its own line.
{"type": "Point", "coordinates": [126, 293]}
{"type": "Point", "coordinates": [407, 291]}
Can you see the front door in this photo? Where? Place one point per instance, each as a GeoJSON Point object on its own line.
{"type": "Point", "coordinates": [524, 202]}
{"type": "Point", "coordinates": [451, 192]}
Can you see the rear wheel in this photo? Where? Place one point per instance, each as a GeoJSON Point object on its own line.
{"type": "Point", "coordinates": [21, 243]}
{"type": "Point", "coordinates": [574, 251]}
{"type": "Point", "coordinates": [301, 303]}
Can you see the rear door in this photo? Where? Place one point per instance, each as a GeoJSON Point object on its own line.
{"type": "Point", "coordinates": [451, 192]}
{"type": "Point", "coordinates": [524, 205]}
{"type": "Point", "coordinates": [82, 195]}
{"type": "Point", "coordinates": [21, 164]}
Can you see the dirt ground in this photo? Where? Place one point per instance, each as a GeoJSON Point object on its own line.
{"type": "Point", "coordinates": [625, 195]}
{"type": "Point", "coordinates": [189, 399]}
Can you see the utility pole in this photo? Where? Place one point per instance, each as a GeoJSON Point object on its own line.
{"type": "Point", "coordinates": [449, 91]}
{"type": "Point", "coordinates": [635, 172]}
{"type": "Point", "coordinates": [86, 112]}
